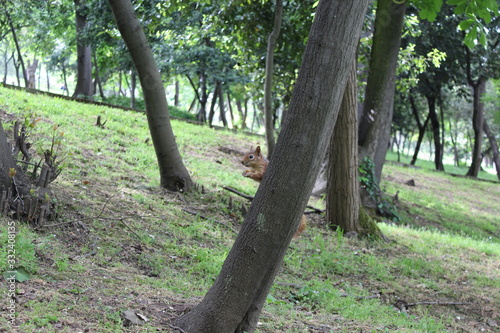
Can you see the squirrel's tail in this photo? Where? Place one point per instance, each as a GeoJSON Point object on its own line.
{"type": "Point", "coordinates": [302, 226]}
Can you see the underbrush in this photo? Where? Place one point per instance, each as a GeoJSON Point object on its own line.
{"type": "Point", "coordinates": [122, 243]}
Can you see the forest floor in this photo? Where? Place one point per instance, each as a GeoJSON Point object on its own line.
{"type": "Point", "coordinates": [121, 247]}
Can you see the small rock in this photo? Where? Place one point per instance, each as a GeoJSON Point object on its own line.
{"type": "Point", "coordinates": [130, 318]}
{"type": "Point", "coordinates": [491, 322]}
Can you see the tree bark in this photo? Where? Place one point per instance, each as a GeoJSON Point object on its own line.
{"type": "Point", "coordinates": [133, 85]}
{"type": "Point", "coordinates": [32, 74]}
{"type": "Point", "coordinates": [494, 147]}
{"type": "Point", "coordinates": [174, 175]}
{"type": "Point", "coordinates": [235, 300]}
{"type": "Point", "coordinates": [376, 119]}
{"type": "Point", "coordinates": [343, 201]}
{"type": "Point", "coordinates": [222, 109]}
{"type": "Point", "coordinates": [438, 148]}
{"type": "Point", "coordinates": [268, 84]}
{"type": "Point", "coordinates": [477, 124]}
{"type": "Point", "coordinates": [84, 56]}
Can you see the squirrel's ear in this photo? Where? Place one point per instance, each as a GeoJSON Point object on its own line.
{"type": "Point", "coordinates": [257, 150]}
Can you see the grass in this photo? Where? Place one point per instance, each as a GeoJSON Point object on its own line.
{"type": "Point", "coordinates": [126, 244]}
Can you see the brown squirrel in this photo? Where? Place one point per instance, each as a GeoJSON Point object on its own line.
{"type": "Point", "coordinates": [257, 164]}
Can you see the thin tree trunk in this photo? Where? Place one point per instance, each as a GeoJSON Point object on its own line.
{"type": "Point", "coordinates": [234, 302]}
{"type": "Point", "coordinates": [133, 85]}
{"type": "Point", "coordinates": [48, 81]}
{"type": "Point", "coordinates": [438, 149]}
{"type": "Point", "coordinates": [477, 124]}
{"type": "Point", "coordinates": [173, 174]}
{"type": "Point", "coordinates": [268, 84]}
{"type": "Point", "coordinates": [494, 147]}
{"type": "Point", "coordinates": [211, 114]}
{"type": "Point", "coordinates": [16, 42]}
{"type": "Point", "coordinates": [421, 129]}
{"type": "Point", "coordinates": [222, 110]}
{"type": "Point", "coordinates": [98, 78]}
{"type": "Point", "coordinates": [176, 96]}
{"type": "Point", "coordinates": [84, 56]}
{"type": "Point", "coordinates": [230, 108]}
{"type": "Point", "coordinates": [376, 119]}
{"type": "Point", "coordinates": [343, 201]}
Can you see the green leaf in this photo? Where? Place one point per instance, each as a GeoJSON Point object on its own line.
{"type": "Point", "coordinates": [19, 273]}
{"type": "Point", "coordinates": [432, 16]}
{"type": "Point", "coordinates": [423, 14]}
{"type": "Point", "coordinates": [460, 9]}
{"type": "Point", "coordinates": [465, 25]}
{"type": "Point", "coordinates": [437, 5]}
{"type": "Point", "coordinates": [482, 38]}
{"type": "Point", "coordinates": [455, 2]}
{"type": "Point", "coordinates": [470, 38]}
{"type": "Point", "coordinates": [485, 15]}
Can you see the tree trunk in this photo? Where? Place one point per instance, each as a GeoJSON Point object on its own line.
{"type": "Point", "coordinates": [32, 74]}
{"type": "Point", "coordinates": [438, 148]}
{"type": "Point", "coordinates": [174, 175]}
{"type": "Point", "coordinates": [98, 78]}
{"type": "Point", "coordinates": [16, 42]}
{"type": "Point", "coordinates": [421, 129]}
{"type": "Point", "coordinates": [235, 300]}
{"type": "Point", "coordinates": [176, 96]}
{"type": "Point", "coordinates": [84, 56]}
{"type": "Point", "coordinates": [477, 124]}
{"type": "Point", "coordinates": [376, 119]}
{"type": "Point", "coordinates": [268, 84]}
{"type": "Point", "coordinates": [494, 147]}
{"type": "Point", "coordinates": [222, 110]}
{"type": "Point", "coordinates": [133, 85]}
{"type": "Point", "coordinates": [343, 201]}
{"type": "Point", "coordinates": [230, 109]}
{"type": "Point", "coordinates": [211, 113]}
{"type": "Point", "coordinates": [202, 112]}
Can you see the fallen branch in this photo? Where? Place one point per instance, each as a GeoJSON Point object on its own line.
{"type": "Point", "coordinates": [250, 198]}
{"type": "Point", "coordinates": [438, 303]}
{"type": "Point", "coordinates": [243, 195]}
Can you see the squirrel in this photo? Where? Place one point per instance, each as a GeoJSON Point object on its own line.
{"type": "Point", "coordinates": [257, 164]}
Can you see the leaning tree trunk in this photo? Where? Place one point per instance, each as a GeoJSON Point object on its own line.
{"type": "Point", "coordinates": [235, 300]}
{"type": "Point", "coordinates": [174, 175]}
{"type": "Point", "coordinates": [84, 56]}
{"type": "Point", "coordinates": [268, 84]}
{"type": "Point", "coordinates": [477, 124]}
{"type": "Point", "coordinates": [343, 201]}
{"type": "Point", "coordinates": [376, 119]}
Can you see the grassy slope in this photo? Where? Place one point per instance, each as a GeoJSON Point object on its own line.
{"type": "Point", "coordinates": [126, 244]}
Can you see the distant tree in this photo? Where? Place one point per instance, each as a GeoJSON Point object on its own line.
{"type": "Point", "coordinates": [174, 175]}
{"type": "Point", "coordinates": [13, 30]}
{"type": "Point", "coordinates": [376, 118]}
{"type": "Point", "coordinates": [84, 85]}
{"type": "Point", "coordinates": [268, 85]}
{"type": "Point", "coordinates": [481, 63]}
{"type": "Point", "coordinates": [235, 300]}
